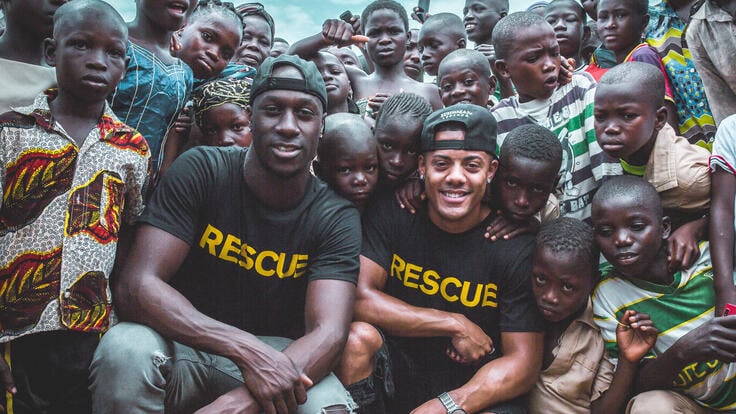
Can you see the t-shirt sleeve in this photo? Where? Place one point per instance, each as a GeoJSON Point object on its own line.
{"type": "Point", "coordinates": [376, 232]}
{"type": "Point", "coordinates": [339, 246]}
{"type": "Point", "coordinates": [519, 311]}
{"type": "Point", "coordinates": [724, 147]}
{"type": "Point", "coordinates": [649, 55]}
{"type": "Point", "coordinates": [174, 205]}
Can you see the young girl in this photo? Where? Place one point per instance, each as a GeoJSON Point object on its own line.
{"type": "Point", "coordinates": [221, 112]}
{"type": "Point", "coordinates": [621, 24]}
{"type": "Point", "coordinates": [156, 85]}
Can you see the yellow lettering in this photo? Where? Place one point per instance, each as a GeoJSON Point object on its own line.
{"type": "Point", "coordinates": [211, 242]}
{"type": "Point", "coordinates": [228, 247]}
{"type": "Point", "coordinates": [259, 262]}
{"type": "Point", "coordinates": [465, 291]}
{"type": "Point", "coordinates": [301, 263]}
{"type": "Point", "coordinates": [489, 295]}
{"type": "Point", "coordinates": [397, 266]}
{"type": "Point", "coordinates": [280, 266]}
{"type": "Point", "coordinates": [430, 285]}
{"type": "Point", "coordinates": [408, 274]}
{"type": "Point", "coordinates": [246, 252]}
{"type": "Point", "coordinates": [443, 288]}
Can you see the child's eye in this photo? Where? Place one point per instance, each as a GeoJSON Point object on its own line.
{"type": "Point", "coordinates": [540, 280]}
{"type": "Point", "coordinates": [599, 117]}
{"type": "Point", "coordinates": [568, 288]}
{"type": "Point", "coordinates": [603, 231]}
{"type": "Point", "coordinates": [386, 146]}
{"type": "Point", "coordinates": [116, 53]}
{"type": "Point", "coordinates": [79, 44]}
{"type": "Point", "coordinates": [446, 87]}
{"type": "Point", "coordinates": [371, 168]}
{"type": "Point", "coordinates": [469, 82]}
{"type": "Point", "coordinates": [537, 189]}
{"type": "Point", "coordinates": [511, 183]}
{"type": "Point", "coordinates": [343, 170]}
{"type": "Point", "coordinates": [638, 226]}
{"type": "Point", "coordinates": [620, 15]}
{"type": "Point", "coordinates": [629, 115]}
{"type": "Point", "coordinates": [207, 36]}
{"type": "Point", "coordinates": [532, 58]}
{"type": "Point", "coordinates": [238, 127]}
{"type": "Point", "coordinates": [412, 151]}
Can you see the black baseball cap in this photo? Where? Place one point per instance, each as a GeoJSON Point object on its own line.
{"type": "Point", "coordinates": [311, 84]}
{"type": "Point", "coordinates": [480, 129]}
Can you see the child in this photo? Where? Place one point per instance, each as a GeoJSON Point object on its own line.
{"type": "Point", "coordinates": [72, 177]}
{"type": "Point", "coordinates": [528, 55]}
{"type": "Point", "coordinates": [258, 32]}
{"type": "Point", "coordinates": [397, 131]}
{"type": "Point", "coordinates": [156, 85]}
{"type": "Point", "coordinates": [210, 38]}
{"type": "Point", "coordinates": [630, 124]}
{"type": "Point", "coordinates": [336, 80]}
{"type": "Point", "coordinates": [279, 47]}
{"type": "Point", "coordinates": [386, 25]}
{"type": "Point", "coordinates": [722, 221]}
{"type": "Point", "coordinates": [464, 76]}
{"type": "Point", "coordinates": [567, 18]}
{"type": "Point", "coordinates": [441, 34]}
{"type": "Point", "coordinates": [591, 8]}
{"type": "Point", "coordinates": [690, 365]}
{"type": "Point", "coordinates": [524, 185]}
{"type": "Point", "coordinates": [412, 59]}
{"type": "Point", "coordinates": [347, 158]}
{"type": "Point", "coordinates": [221, 111]}
{"type": "Point", "coordinates": [538, 8]}
{"type": "Point", "coordinates": [621, 24]}
{"type": "Point", "coordinates": [22, 75]}
{"type": "Point", "coordinates": [575, 376]}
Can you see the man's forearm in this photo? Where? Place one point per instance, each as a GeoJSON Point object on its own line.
{"type": "Point", "coordinates": [318, 352]}
{"type": "Point", "coordinates": [660, 372]}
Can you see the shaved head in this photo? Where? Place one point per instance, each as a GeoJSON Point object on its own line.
{"type": "Point", "coordinates": [644, 80]}
{"type": "Point", "coordinates": [74, 13]}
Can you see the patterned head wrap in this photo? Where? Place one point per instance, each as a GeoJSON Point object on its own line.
{"type": "Point", "coordinates": [219, 92]}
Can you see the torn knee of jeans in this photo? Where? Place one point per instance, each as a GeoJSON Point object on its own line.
{"type": "Point", "coordinates": [336, 409]}
{"type": "Point", "coordinates": [159, 358]}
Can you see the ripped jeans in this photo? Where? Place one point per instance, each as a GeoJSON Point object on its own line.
{"type": "Point", "coordinates": [136, 370]}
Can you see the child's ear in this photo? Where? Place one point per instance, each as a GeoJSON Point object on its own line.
{"type": "Point", "coordinates": [586, 34]}
{"type": "Point", "coordinates": [461, 43]}
{"type": "Point", "coordinates": [49, 51]}
{"type": "Point", "coordinates": [666, 227]}
{"type": "Point", "coordinates": [492, 83]}
{"type": "Point", "coordinates": [661, 118]}
{"type": "Point", "coordinates": [502, 69]}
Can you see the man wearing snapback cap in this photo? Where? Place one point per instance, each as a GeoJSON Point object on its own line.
{"type": "Point", "coordinates": [239, 291]}
{"type": "Point", "coordinates": [446, 320]}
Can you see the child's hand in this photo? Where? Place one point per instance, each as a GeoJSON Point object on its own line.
{"type": "Point", "coordinates": [504, 228]}
{"type": "Point", "coordinates": [337, 32]}
{"type": "Point", "coordinates": [375, 102]}
{"type": "Point", "coordinates": [183, 122]}
{"type": "Point", "coordinates": [683, 245]}
{"type": "Point", "coordinates": [488, 51]}
{"type": "Point", "coordinates": [174, 44]}
{"type": "Point", "coordinates": [410, 195]}
{"type": "Point", "coordinates": [419, 15]}
{"type": "Point", "coordinates": [635, 335]}
{"type": "Point", "coordinates": [567, 68]}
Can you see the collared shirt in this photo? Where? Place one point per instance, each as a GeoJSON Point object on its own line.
{"type": "Point", "coordinates": [579, 373]}
{"type": "Point", "coordinates": [664, 34]}
{"type": "Point", "coordinates": [711, 36]}
{"type": "Point", "coordinates": [679, 171]}
{"type": "Point", "coordinates": [61, 212]}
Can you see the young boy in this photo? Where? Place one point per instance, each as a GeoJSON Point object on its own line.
{"type": "Point", "coordinates": [72, 175]}
{"type": "Point", "coordinates": [279, 47]}
{"type": "Point", "coordinates": [528, 55]}
{"type": "Point", "coordinates": [441, 34]}
{"type": "Point", "coordinates": [690, 367]}
{"type": "Point", "coordinates": [630, 125]}
{"type": "Point", "coordinates": [524, 186]}
{"type": "Point", "coordinates": [464, 76]}
{"type": "Point", "coordinates": [575, 377]}
{"type": "Point", "coordinates": [222, 113]}
{"type": "Point", "coordinates": [347, 158]}
{"type": "Point", "coordinates": [412, 59]}
{"type": "Point", "coordinates": [22, 75]}
{"type": "Point", "coordinates": [568, 19]}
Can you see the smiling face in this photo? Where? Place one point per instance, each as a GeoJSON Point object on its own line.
{"type": "Point", "coordinates": [626, 125]}
{"type": "Point", "coordinates": [480, 17]}
{"type": "Point", "coordinates": [561, 283]}
{"type": "Point", "coordinates": [455, 183]}
{"type": "Point", "coordinates": [208, 44]}
{"type": "Point", "coordinates": [286, 126]}
{"type": "Point", "coordinates": [523, 185]}
{"type": "Point", "coordinates": [387, 38]}
{"type": "Point", "coordinates": [256, 42]}
{"type": "Point", "coordinates": [398, 148]}
{"type": "Point", "coordinates": [533, 64]}
{"type": "Point", "coordinates": [630, 235]}
{"type": "Point", "coordinates": [460, 83]}
{"type": "Point", "coordinates": [226, 125]}
{"type": "Point", "coordinates": [569, 27]}
{"type": "Point", "coordinates": [89, 56]}
{"type": "Point", "coordinates": [619, 26]}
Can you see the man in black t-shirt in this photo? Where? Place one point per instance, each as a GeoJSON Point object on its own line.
{"type": "Point", "coordinates": [243, 272]}
{"type": "Point", "coordinates": [446, 318]}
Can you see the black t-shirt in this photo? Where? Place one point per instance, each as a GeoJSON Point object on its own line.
{"type": "Point", "coordinates": [488, 282]}
{"type": "Point", "coordinates": [249, 265]}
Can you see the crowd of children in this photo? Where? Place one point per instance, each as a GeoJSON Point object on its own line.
{"type": "Point", "coordinates": [605, 190]}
